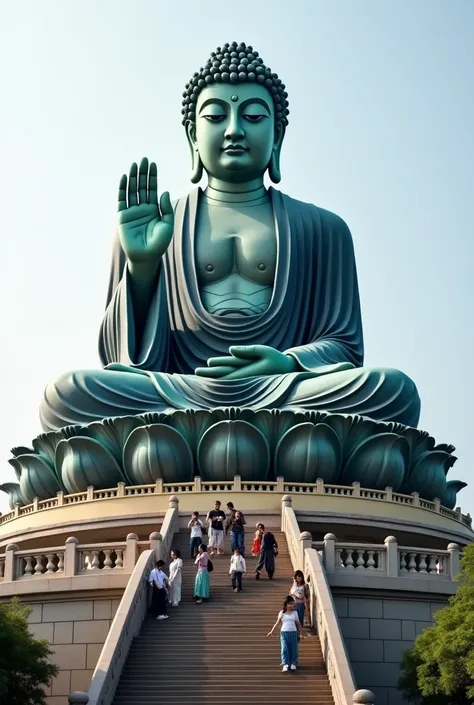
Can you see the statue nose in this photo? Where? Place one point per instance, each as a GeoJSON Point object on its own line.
{"type": "Point", "coordinates": [234, 130]}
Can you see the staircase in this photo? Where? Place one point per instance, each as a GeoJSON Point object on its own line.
{"type": "Point", "coordinates": [218, 652]}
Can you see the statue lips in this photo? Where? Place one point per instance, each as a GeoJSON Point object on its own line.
{"type": "Point", "coordinates": [235, 149]}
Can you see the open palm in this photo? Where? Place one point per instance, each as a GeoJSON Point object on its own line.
{"type": "Point", "coordinates": [145, 228]}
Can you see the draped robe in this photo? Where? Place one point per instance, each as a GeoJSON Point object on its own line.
{"type": "Point", "coordinates": [314, 316]}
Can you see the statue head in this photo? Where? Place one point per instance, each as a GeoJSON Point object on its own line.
{"type": "Point", "coordinates": [235, 112]}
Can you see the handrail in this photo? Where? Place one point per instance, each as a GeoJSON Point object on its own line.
{"type": "Point", "coordinates": [323, 612]}
{"type": "Point", "coordinates": [354, 491]}
{"type": "Point", "coordinates": [130, 615]}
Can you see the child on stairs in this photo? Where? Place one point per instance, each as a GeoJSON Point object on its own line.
{"type": "Point", "coordinates": [237, 569]}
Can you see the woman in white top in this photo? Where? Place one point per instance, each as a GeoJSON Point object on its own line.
{"type": "Point", "coordinates": [175, 579]}
{"type": "Point", "coordinates": [290, 628]}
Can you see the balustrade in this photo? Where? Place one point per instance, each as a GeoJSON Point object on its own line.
{"type": "Point", "coordinates": [236, 485]}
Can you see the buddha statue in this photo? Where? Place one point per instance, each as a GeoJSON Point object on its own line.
{"type": "Point", "coordinates": [235, 295]}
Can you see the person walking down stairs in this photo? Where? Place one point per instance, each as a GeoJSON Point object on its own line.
{"type": "Point", "coordinates": [159, 580]}
{"type": "Point", "coordinates": [195, 539]}
{"type": "Point", "coordinates": [267, 555]}
{"type": "Point", "coordinates": [201, 584]}
{"type": "Point", "coordinates": [237, 570]}
{"type": "Point", "coordinates": [289, 632]}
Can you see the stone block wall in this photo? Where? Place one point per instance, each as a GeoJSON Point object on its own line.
{"type": "Point", "coordinates": [377, 630]}
{"type": "Point", "coordinates": [76, 630]}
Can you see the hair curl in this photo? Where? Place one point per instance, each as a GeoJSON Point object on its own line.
{"type": "Point", "coordinates": [235, 63]}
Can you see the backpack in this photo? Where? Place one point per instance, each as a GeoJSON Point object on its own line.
{"type": "Point", "coordinates": [210, 567]}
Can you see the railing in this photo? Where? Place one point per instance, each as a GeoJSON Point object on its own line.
{"type": "Point", "coordinates": [129, 617]}
{"type": "Point", "coordinates": [237, 485]}
{"type": "Point", "coordinates": [2, 566]}
{"type": "Point", "coordinates": [323, 613]}
{"type": "Point", "coordinates": [388, 560]}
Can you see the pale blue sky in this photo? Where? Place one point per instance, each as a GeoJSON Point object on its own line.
{"type": "Point", "coordinates": [381, 132]}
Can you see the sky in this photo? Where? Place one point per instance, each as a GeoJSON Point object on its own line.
{"type": "Point", "coordinates": [381, 132]}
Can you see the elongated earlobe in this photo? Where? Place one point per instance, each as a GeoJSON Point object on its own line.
{"type": "Point", "coordinates": [197, 167]}
{"type": "Point", "coordinates": [274, 167]}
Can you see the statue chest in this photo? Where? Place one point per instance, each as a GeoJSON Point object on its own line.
{"type": "Point", "coordinates": [237, 242]}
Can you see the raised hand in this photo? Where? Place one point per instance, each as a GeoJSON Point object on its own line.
{"type": "Point", "coordinates": [145, 229]}
{"type": "Point", "coordinates": [248, 361]}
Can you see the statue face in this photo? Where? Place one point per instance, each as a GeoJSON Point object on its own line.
{"type": "Point", "coordinates": [235, 130]}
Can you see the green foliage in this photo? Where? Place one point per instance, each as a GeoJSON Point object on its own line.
{"type": "Point", "coordinates": [439, 669]}
{"type": "Point", "coordinates": [24, 660]}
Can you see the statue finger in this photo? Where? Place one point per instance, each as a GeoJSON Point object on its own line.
{"type": "Point", "coordinates": [254, 370]}
{"type": "Point", "coordinates": [167, 212]}
{"type": "Point", "coordinates": [132, 185]}
{"type": "Point", "coordinates": [226, 361]}
{"type": "Point", "coordinates": [246, 352]}
{"type": "Point", "coordinates": [122, 193]}
{"type": "Point", "coordinates": [213, 372]}
{"type": "Point", "coordinates": [153, 184]}
{"type": "Point", "coordinates": [143, 181]}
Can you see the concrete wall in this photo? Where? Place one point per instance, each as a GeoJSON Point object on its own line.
{"type": "Point", "coordinates": [377, 630]}
{"type": "Point", "coordinates": [76, 630]}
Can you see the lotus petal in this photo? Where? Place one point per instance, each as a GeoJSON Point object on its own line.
{"type": "Point", "coordinates": [231, 448]}
{"type": "Point", "coordinates": [378, 462]}
{"type": "Point", "coordinates": [351, 431]}
{"type": "Point", "coordinates": [21, 450]}
{"type": "Point", "coordinates": [428, 477]}
{"type": "Point", "coordinates": [314, 417]}
{"type": "Point", "coordinates": [157, 451]}
{"type": "Point", "coordinates": [113, 433]}
{"type": "Point", "coordinates": [37, 477]}
{"type": "Point", "coordinates": [447, 447]}
{"type": "Point", "coordinates": [274, 423]}
{"type": "Point", "coordinates": [45, 445]}
{"type": "Point", "coordinates": [82, 462]}
{"type": "Point", "coordinates": [192, 424]}
{"type": "Point", "coordinates": [452, 488]}
{"type": "Point", "coordinates": [12, 489]}
{"type": "Point", "coordinates": [307, 452]}
{"type": "Point", "coordinates": [151, 417]}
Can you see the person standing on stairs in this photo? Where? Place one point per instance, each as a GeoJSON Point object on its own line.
{"type": "Point", "coordinates": [159, 580]}
{"type": "Point", "coordinates": [238, 568]}
{"type": "Point", "coordinates": [235, 526]}
{"type": "Point", "coordinates": [195, 539]}
{"type": "Point", "coordinates": [300, 593]}
{"type": "Point", "coordinates": [257, 542]}
{"type": "Point", "coordinates": [175, 579]}
{"type": "Point", "coordinates": [216, 519]}
{"type": "Point", "coordinates": [201, 584]}
{"type": "Point", "coordinates": [267, 555]}
{"type": "Point", "coordinates": [289, 632]}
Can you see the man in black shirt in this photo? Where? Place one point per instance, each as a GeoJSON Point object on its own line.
{"type": "Point", "coordinates": [216, 518]}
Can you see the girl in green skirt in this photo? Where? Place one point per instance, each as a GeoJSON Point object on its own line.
{"type": "Point", "coordinates": [201, 584]}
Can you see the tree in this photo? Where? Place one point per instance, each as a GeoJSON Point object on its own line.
{"type": "Point", "coordinates": [24, 660]}
{"type": "Point", "coordinates": [439, 669]}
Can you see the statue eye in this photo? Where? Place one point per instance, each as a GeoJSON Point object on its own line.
{"type": "Point", "coordinates": [214, 118]}
{"type": "Point", "coordinates": [254, 118]}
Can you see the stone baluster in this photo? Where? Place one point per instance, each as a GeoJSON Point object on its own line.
{"type": "Point", "coordinates": [108, 562]}
{"type": "Point", "coordinates": [28, 569]}
{"type": "Point", "coordinates": [118, 558]}
{"type": "Point", "coordinates": [306, 541]}
{"type": "Point", "coordinates": [454, 560]}
{"type": "Point", "coordinates": [60, 562]}
{"type": "Point", "coordinates": [391, 549]}
{"type": "Point", "coordinates": [403, 562]}
{"type": "Point", "coordinates": [94, 563]}
{"type": "Point", "coordinates": [70, 557]}
{"type": "Point", "coordinates": [78, 697]}
{"type": "Point", "coordinates": [360, 697]}
{"type": "Point", "coordinates": [329, 553]}
{"type": "Point", "coordinates": [50, 565]}
{"type": "Point", "coordinates": [39, 568]}
{"type": "Point", "coordinates": [349, 561]}
{"type": "Point", "coordinates": [422, 564]}
{"type": "Point", "coordinates": [370, 560]}
{"type": "Point", "coordinates": [339, 561]}
{"type": "Point", "coordinates": [432, 563]}
{"type": "Point", "coordinates": [412, 563]}
{"type": "Point", "coordinates": [10, 567]}
{"type": "Point", "coordinates": [360, 560]}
